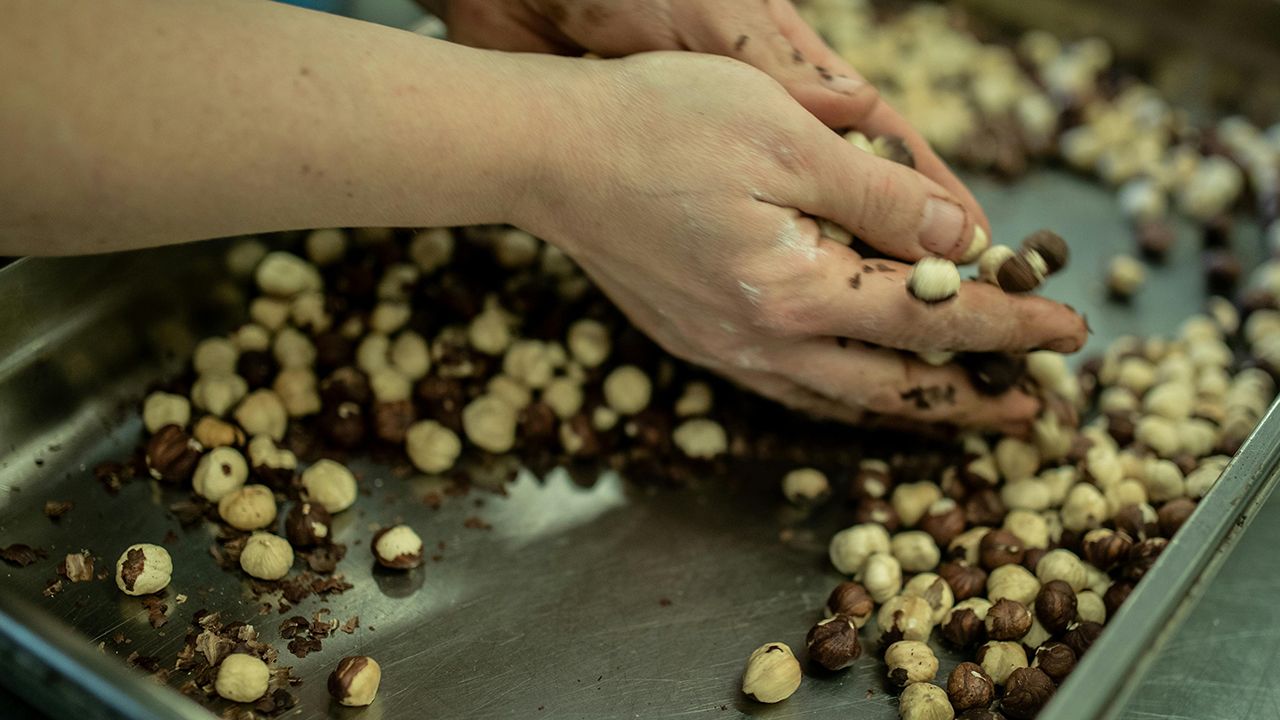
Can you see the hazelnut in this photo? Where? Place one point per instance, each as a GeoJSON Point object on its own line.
{"type": "Point", "coordinates": [878, 512]}
{"type": "Point", "coordinates": [1030, 527]}
{"type": "Point", "coordinates": [881, 575]}
{"type": "Point", "coordinates": [915, 551]}
{"type": "Point", "coordinates": [284, 275]}
{"type": "Point", "coordinates": [871, 480]}
{"type": "Point", "coordinates": [1022, 272]}
{"type": "Point", "coordinates": [905, 617]}
{"type": "Point", "coordinates": [1056, 606]}
{"type": "Point", "coordinates": [1136, 521]}
{"type": "Point", "coordinates": [172, 454]}
{"type": "Point", "coordinates": [772, 674]}
{"type": "Point", "coordinates": [1142, 556]}
{"type": "Point", "coordinates": [1000, 659]}
{"type": "Point", "coordinates": [923, 701]}
{"type": "Point", "coordinates": [991, 260]}
{"type": "Point", "coordinates": [274, 466]}
{"type": "Point", "coordinates": [431, 249]}
{"type": "Point", "coordinates": [510, 391]}
{"type": "Point", "coordinates": [1050, 246]}
{"type": "Point", "coordinates": [533, 362]}
{"type": "Point", "coordinates": [965, 545]}
{"type": "Point", "coordinates": [391, 420]}
{"type": "Point", "coordinates": [933, 280]}
{"type": "Point", "coordinates": [354, 683]}
{"type": "Point", "coordinates": [308, 524]}
{"type": "Point", "coordinates": [965, 625]}
{"type": "Point", "coordinates": [1106, 548]}
{"type": "Point", "coordinates": [390, 385]}
{"type": "Point", "coordinates": [266, 556]}
{"type": "Point", "coordinates": [1084, 509]}
{"type": "Point", "coordinates": [833, 642]}
{"type": "Point", "coordinates": [564, 396]}
{"type": "Point", "coordinates": [695, 400]}
{"type": "Point", "coordinates": [343, 424]}
{"type": "Point", "coordinates": [490, 423]}
{"type": "Point", "coordinates": [329, 484]}
{"type": "Point", "coordinates": [1090, 606]}
{"type": "Point", "coordinates": [984, 507]}
{"type": "Point", "coordinates": [143, 569]}
{"type": "Point", "coordinates": [992, 373]}
{"type": "Point", "coordinates": [933, 590]}
{"type": "Point", "coordinates": [1026, 691]}
{"type": "Point", "coordinates": [1055, 659]}
{"type": "Point", "coordinates": [806, 486]}
{"type": "Point", "coordinates": [1007, 620]}
{"type": "Point", "coordinates": [212, 432]}
{"type": "Point", "coordinates": [298, 391]}
{"type": "Point", "coordinates": [389, 316]}
{"type": "Point", "coordinates": [1174, 514]}
{"type": "Point", "coordinates": [910, 661]}
{"type": "Point", "coordinates": [490, 331]}
{"type": "Point", "coordinates": [912, 500]}
{"type": "Point", "coordinates": [251, 507]}
{"type": "Point", "coordinates": [851, 600]}
{"type": "Point", "coordinates": [1016, 459]}
{"type": "Point", "coordinates": [850, 548]}
{"type": "Point", "coordinates": [162, 408]}
{"type": "Point", "coordinates": [998, 548]}
{"type": "Point", "coordinates": [1032, 558]}
{"type": "Point", "coordinates": [1155, 239]}
{"type": "Point", "coordinates": [221, 471]}
{"type": "Point", "coordinates": [1081, 636]}
{"type": "Point", "coordinates": [432, 447]}
{"type": "Point", "coordinates": [293, 349]}
{"type": "Point", "coordinates": [242, 678]}
{"type": "Point", "coordinates": [218, 392]}
{"type": "Point", "coordinates": [1125, 275]}
{"type": "Point", "coordinates": [970, 687]}
{"type": "Point", "coordinates": [701, 438]}
{"type": "Point", "coordinates": [1062, 564]}
{"type": "Point", "coordinates": [965, 580]}
{"type": "Point", "coordinates": [537, 423]}
{"type": "Point", "coordinates": [326, 246]}
{"type": "Point", "coordinates": [214, 355]}
{"type": "Point", "coordinates": [397, 547]}
{"type": "Point", "coordinates": [944, 520]}
{"type": "Point", "coordinates": [627, 390]}
{"type": "Point", "coordinates": [1115, 595]}
{"type": "Point", "coordinates": [262, 413]}
{"type": "Point", "coordinates": [1014, 582]}
{"type": "Point", "coordinates": [588, 342]}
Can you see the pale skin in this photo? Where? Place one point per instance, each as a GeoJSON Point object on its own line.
{"type": "Point", "coordinates": [685, 184]}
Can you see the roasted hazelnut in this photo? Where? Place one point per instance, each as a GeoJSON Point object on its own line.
{"type": "Point", "coordinates": [909, 662]}
{"type": "Point", "coordinates": [212, 432]}
{"type": "Point", "coordinates": [966, 581]}
{"type": "Point", "coordinates": [969, 686]}
{"type": "Point", "coordinates": [251, 507]}
{"type": "Point", "coordinates": [1142, 556]}
{"type": "Point", "coordinates": [980, 714]}
{"type": "Point", "coordinates": [965, 624]}
{"type": "Point", "coordinates": [852, 600]}
{"type": "Point", "coordinates": [772, 674]}
{"type": "Point", "coordinates": [943, 521]}
{"type": "Point", "coordinates": [308, 524]}
{"type": "Point", "coordinates": [343, 424]}
{"type": "Point", "coordinates": [984, 507]}
{"type": "Point", "coordinates": [877, 511]}
{"type": "Point", "coordinates": [1154, 240]}
{"type": "Point", "coordinates": [1032, 557]}
{"type": "Point", "coordinates": [1007, 620]}
{"type": "Point", "coordinates": [894, 149]}
{"type": "Point", "coordinates": [354, 683]}
{"type": "Point", "coordinates": [1055, 659]}
{"type": "Point", "coordinates": [833, 642]}
{"type": "Point", "coordinates": [1222, 271]}
{"type": "Point", "coordinates": [221, 471]}
{"type": "Point", "coordinates": [333, 350]}
{"type": "Point", "coordinates": [266, 556]}
{"type": "Point", "coordinates": [397, 547]}
{"type": "Point", "coordinates": [242, 678]}
{"type": "Point", "coordinates": [172, 454]}
{"type": "Point", "coordinates": [992, 373]}
{"type": "Point", "coordinates": [872, 480]}
{"type": "Point", "coordinates": [1105, 548]}
{"type": "Point", "coordinates": [905, 617]}
{"type": "Point", "coordinates": [1173, 514]}
{"type": "Point", "coordinates": [274, 466]}
{"type": "Point", "coordinates": [347, 384]}
{"type": "Point", "coordinates": [329, 484]}
{"type": "Point", "coordinates": [143, 569]}
{"type": "Point", "coordinates": [1056, 606]}
{"type": "Point", "coordinates": [1115, 595]}
{"type": "Point", "coordinates": [1000, 659]}
{"type": "Point", "coordinates": [162, 408]}
{"type": "Point", "coordinates": [1137, 521]}
{"type": "Point", "coordinates": [1050, 246]}
{"type": "Point", "coordinates": [1026, 691]}
{"type": "Point", "coordinates": [392, 419]}
{"type": "Point", "coordinates": [257, 367]}
{"type": "Point", "coordinates": [1081, 636]}
{"type": "Point", "coordinates": [933, 280]}
{"type": "Point", "coordinates": [998, 548]}
{"type": "Point", "coordinates": [923, 701]}
{"type": "Point", "coordinates": [1022, 272]}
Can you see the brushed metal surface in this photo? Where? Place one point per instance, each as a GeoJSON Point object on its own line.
{"type": "Point", "coordinates": [581, 601]}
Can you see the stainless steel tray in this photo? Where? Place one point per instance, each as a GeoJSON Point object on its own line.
{"type": "Point", "coordinates": [580, 600]}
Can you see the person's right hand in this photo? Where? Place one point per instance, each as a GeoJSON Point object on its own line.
{"type": "Point", "coordinates": [686, 190]}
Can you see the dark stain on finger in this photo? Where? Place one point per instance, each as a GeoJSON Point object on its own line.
{"type": "Point", "coordinates": [925, 397]}
{"type": "Point", "coordinates": [740, 43]}
{"type": "Point", "coordinates": [842, 342]}
{"type": "Point", "coordinates": [868, 269]}
{"type": "Point", "coordinates": [824, 73]}
{"type": "Point", "coordinates": [885, 268]}
{"type": "Point", "coordinates": [796, 56]}
{"type": "Point", "coordinates": [855, 282]}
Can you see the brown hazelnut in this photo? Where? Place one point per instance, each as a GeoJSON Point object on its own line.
{"type": "Point", "coordinates": [1031, 558]}
{"type": "Point", "coordinates": [1056, 606]}
{"type": "Point", "coordinates": [879, 511]}
{"type": "Point", "coordinates": [212, 432]}
{"type": "Point", "coordinates": [1055, 659]}
{"type": "Point", "coordinates": [969, 686]}
{"type": "Point", "coordinates": [943, 521]}
{"type": "Point", "coordinates": [964, 628]}
{"type": "Point", "coordinates": [1008, 620]}
{"type": "Point", "coordinates": [1115, 595]}
{"type": "Point", "coordinates": [1142, 556]}
{"type": "Point", "coordinates": [833, 642]}
{"type": "Point", "coordinates": [984, 507]}
{"type": "Point", "coordinates": [537, 422]}
{"type": "Point", "coordinates": [871, 481]}
{"type": "Point", "coordinates": [1135, 521]}
{"type": "Point", "coordinates": [852, 600]}
{"type": "Point", "coordinates": [333, 350]}
{"type": "Point", "coordinates": [1122, 426]}
{"type": "Point", "coordinates": [1026, 692]}
{"type": "Point", "coordinates": [1173, 514]}
{"type": "Point", "coordinates": [172, 454]}
{"type": "Point", "coordinates": [346, 384]}
{"type": "Point", "coordinates": [1000, 547]}
{"type": "Point", "coordinates": [355, 681]}
{"type": "Point", "coordinates": [1050, 246]}
{"type": "Point", "coordinates": [1019, 273]}
{"type": "Point", "coordinates": [966, 581]}
{"type": "Point", "coordinates": [257, 367]}
{"type": "Point", "coordinates": [1222, 271]}
{"type": "Point", "coordinates": [391, 419]}
{"type": "Point", "coordinates": [343, 424]}
{"type": "Point", "coordinates": [1081, 636]}
{"type": "Point", "coordinates": [1104, 549]}
{"type": "Point", "coordinates": [1154, 239]}
{"type": "Point", "coordinates": [307, 525]}
{"type": "Point", "coordinates": [992, 373]}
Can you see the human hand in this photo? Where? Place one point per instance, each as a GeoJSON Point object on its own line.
{"type": "Point", "coordinates": [769, 35]}
{"type": "Point", "coordinates": [688, 191]}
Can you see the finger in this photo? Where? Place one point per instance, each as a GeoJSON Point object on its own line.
{"type": "Point", "coordinates": [869, 114]}
{"type": "Point", "coordinates": [887, 382]}
{"type": "Point", "coordinates": [868, 300]}
{"type": "Point", "coordinates": [891, 207]}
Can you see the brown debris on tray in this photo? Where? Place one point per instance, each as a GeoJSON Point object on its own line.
{"type": "Point", "coordinates": [55, 509]}
{"type": "Point", "coordinates": [77, 567]}
{"type": "Point", "coordinates": [156, 611]}
{"type": "Point", "coordinates": [21, 555]}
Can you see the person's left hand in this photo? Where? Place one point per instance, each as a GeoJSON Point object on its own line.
{"type": "Point", "coordinates": [768, 34]}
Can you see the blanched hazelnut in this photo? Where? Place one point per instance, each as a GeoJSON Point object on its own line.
{"type": "Point", "coordinates": [284, 275]}
{"type": "Point", "coordinates": [772, 674]}
{"type": "Point", "coordinates": [266, 556]}
{"type": "Point", "coordinates": [221, 471]}
{"type": "Point", "coordinates": [850, 548]}
{"type": "Point", "coordinates": [293, 349]}
{"type": "Point", "coordinates": [991, 260]}
{"type": "Point", "coordinates": [833, 643]}
{"type": "Point", "coordinates": [490, 331]}
{"type": "Point", "coordinates": [1016, 459]}
{"type": "Point", "coordinates": [242, 678]}
{"type": "Point", "coordinates": [701, 438]}
{"type": "Point", "coordinates": [1090, 607]}
{"type": "Point", "coordinates": [915, 551]}
{"type": "Point", "coordinates": [389, 316]}
{"type": "Point", "coordinates": [297, 390]}
{"type": "Point", "coordinates": [410, 355]}
{"type": "Point", "coordinates": [271, 313]}
{"type": "Point", "coordinates": [263, 413]}
{"type": "Point", "coordinates": [326, 246]}
{"type": "Point", "coordinates": [390, 385]}
{"type": "Point", "coordinates": [905, 616]}
{"type": "Point", "coordinates": [143, 569]}
{"type": "Point", "coordinates": [397, 547]}
{"type": "Point", "coordinates": [695, 400]}
{"type": "Point", "coordinates": [881, 575]}
{"type": "Point", "coordinates": [162, 408]}
{"type": "Point", "coordinates": [1014, 582]}
{"type": "Point", "coordinates": [935, 591]}
{"type": "Point", "coordinates": [1062, 564]}
{"type": "Point", "coordinates": [329, 484]}
{"type": "Point", "coordinates": [564, 396]}
{"type": "Point", "coordinates": [251, 507]}
{"type": "Point", "coordinates": [215, 356]}
{"type": "Point", "coordinates": [212, 432]}
{"type": "Point", "coordinates": [510, 391]}
{"type": "Point", "coordinates": [627, 390]}
{"type": "Point", "coordinates": [218, 392]}
{"type": "Point", "coordinates": [1158, 433]}
{"type": "Point", "coordinates": [589, 342]}
{"type": "Point", "coordinates": [965, 545]}
{"type": "Point", "coordinates": [532, 362]}
{"type": "Point", "coordinates": [244, 256]}
{"type": "Point", "coordinates": [999, 659]}
{"type": "Point", "coordinates": [933, 280]}
{"type": "Point", "coordinates": [923, 701]}
{"type": "Point", "coordinates": [431, 249]}
{"type": "Point", "coordinates": [806, 486]}
{"type": "Point", "coordinates": [354, 683]}
{"type": "Point", "coordinates": [1125, 276]}
{"type": "Point", "coordinates": [1031, 494]}
{"type": "Point", "coordinates": [1030, 527]}
{"type": "Point", "coordinates": [909, 662]}
{"type": "Point", "coordinates": [490, 423]}
{"type": "Point", "coordinates": [432, 447]}
{"type": "Point", "coordinates": [912, 500]}
{"type": "Point", "coordinates": [1204, 477]}
{"type": "Point", "coordinates": [1085, 508]}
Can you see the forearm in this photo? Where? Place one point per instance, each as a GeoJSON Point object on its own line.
{"type": "Point", "coordinates": [140, 122]}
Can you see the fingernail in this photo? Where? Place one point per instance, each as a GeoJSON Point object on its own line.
{"type": "Point", "coordinates": [942, 226]}
{"type": "Point", "coordinates": [844, 84]}
{"type": "Point", "coordinates": [980, 242]}
{"type": "Point", "coordinates": [1062, 345]}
